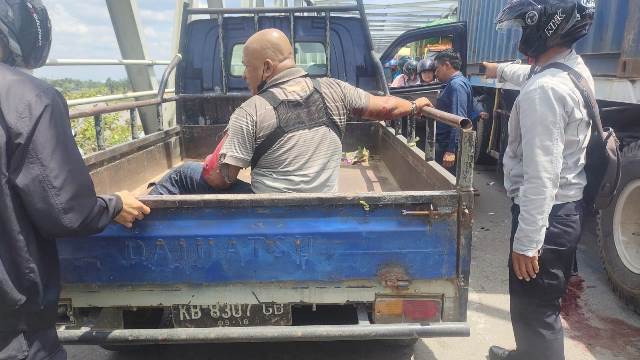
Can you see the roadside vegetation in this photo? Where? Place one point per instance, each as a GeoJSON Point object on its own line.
{"type": "Point", "coordinates": [116, 127]}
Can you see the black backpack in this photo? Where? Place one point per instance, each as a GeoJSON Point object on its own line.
{"type": "Point", "coordinates": [604, 164]}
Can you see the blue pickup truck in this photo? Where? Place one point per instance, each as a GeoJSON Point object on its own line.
{"type": "Point", "coordinates": [387, 257]}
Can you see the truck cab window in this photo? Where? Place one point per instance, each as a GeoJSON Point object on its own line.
{"type": "Point", "coordinates": [425, 49]}
{"type": "Point", "coordinates": [236, 67]}
{"type": "Point", "coordinates": [310, 56]}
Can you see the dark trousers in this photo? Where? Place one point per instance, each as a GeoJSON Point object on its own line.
{"type": "Point", "coordinates": [32, 345]}
{"type": "Point", "coordinates": [535, 305]}
{"type": "Point", "coordinates": [187, 179]}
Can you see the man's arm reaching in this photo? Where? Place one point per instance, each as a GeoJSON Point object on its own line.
{"type": "Point", "coordinates": [390, 107]}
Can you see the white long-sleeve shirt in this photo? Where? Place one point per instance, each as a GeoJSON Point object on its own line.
{"type": "Point", "coordinates": [548, 135]}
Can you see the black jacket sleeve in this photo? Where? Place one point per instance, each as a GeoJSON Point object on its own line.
{"type": "Point", "coordinates": [51, 177]}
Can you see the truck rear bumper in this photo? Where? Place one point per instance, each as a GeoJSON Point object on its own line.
{"type": "Point", "coordinates": [262, 334]}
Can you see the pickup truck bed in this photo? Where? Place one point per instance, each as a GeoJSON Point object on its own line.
{"type": "Point", "coordinates": [134, 165]}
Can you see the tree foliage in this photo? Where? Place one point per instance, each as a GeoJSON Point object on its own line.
{"type": "Point", "coordinates": [116, 127]}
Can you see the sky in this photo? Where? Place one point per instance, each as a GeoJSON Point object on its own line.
{"type": "Point", "coordinates": [83, 30]}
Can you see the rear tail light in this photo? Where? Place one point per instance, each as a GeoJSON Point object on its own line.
{"type": "Point", "coordinates": [413, 309]}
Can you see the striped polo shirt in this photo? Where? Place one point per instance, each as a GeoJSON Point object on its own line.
{"type": "Point", "coordinates": [305, 161]}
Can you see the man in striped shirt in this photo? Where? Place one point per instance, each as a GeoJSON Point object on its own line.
{"type": "Point", "coordinates": [289, 133]}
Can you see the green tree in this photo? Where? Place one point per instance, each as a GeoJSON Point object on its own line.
{"type": "Point", "coordinates": [116, 127]}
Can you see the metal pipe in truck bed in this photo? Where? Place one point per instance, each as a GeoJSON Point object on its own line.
{"type": "Point", "coordinates": [446, 118]}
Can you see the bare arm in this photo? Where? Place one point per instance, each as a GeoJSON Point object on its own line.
{"type": "Point", "coordinates": [515, 74]}
{"type": "Point", "coordinates": [391, 107]}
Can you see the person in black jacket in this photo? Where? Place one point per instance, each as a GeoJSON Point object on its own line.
{"type": "Point", "coordinates": [45, 188]}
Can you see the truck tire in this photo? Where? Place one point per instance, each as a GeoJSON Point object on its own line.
{"type": "Point", "coordinates": [619, 232]}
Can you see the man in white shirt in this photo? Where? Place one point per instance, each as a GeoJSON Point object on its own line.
{"type": "Point", "coordinates": [549, 131]}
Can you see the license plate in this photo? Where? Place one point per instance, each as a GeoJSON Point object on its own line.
{"type": "Point", "coordinates": [217, 315]}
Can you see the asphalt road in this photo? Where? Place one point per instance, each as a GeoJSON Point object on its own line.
{"type": "Point", "coordinates": [597, 324]}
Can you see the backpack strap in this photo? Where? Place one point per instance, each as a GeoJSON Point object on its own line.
{"type": "Point", "coordinates": [270, 97]}
{"type": "Point", "coordinates": [279, 132]}
{"type": "Point", "coordinates": [583, 87]}
{"type": "Point", "coordinates": [328, 119]}
{"type": "Point", "coordinates": [273, 136]}
{"type": "Point", "coordinates": [604, 166]}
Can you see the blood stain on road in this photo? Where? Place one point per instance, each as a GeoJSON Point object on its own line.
{"type": "Point", "coordinates": [594, 330]}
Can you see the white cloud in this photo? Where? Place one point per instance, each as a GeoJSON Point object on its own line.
{"type": "Point", "coordinates": [83, 30]}
{"type": "Point", "coordinates": [156, 15]}
{"type": "Point", "coordinates": [63, 22]}
{"type": "Point", "coordinates": [150, 32]}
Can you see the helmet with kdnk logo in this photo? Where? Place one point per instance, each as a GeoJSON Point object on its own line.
{"type": "Point", "coordinates": [547, 23]}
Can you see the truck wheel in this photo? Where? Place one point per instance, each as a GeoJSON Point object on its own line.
{"type": "Point", "coordinates": [619, 232]}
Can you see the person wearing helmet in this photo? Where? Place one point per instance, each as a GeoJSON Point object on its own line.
{"type": "Point", "coordinates": [409, 76]}
{"type": "Point", "coordinates": [549, 131]}
{"type": "Point", "coordinates": [427, 71]}
{"type": "Point", "coordinates": [401, 62]}
{"type": "Point", "coordinates": [45, 189]}
{"type": "Point", "coordinates": [390, 69]}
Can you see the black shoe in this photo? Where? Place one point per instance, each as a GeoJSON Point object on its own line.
{"type": "Point", "coordinates": [498, 353]}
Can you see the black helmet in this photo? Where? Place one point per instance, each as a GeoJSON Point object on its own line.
{"type": "Point", "coordinates": [547, 23]}
{"type": "Point", "coordinates": [402, 61]}
{"type": "Point", "coordinates": [26, 29]}
{"type": "Point", "coordinates": [426, 65]}
{"type": "Point", "coordinates": [410, 68]}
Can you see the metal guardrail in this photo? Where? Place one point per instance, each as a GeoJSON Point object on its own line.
{"type": "Point", "coordinates": [123, 96]}
{"type": "Point", "coordinates": [97, 99]}
{"type": "Point", "coordinates": [93, 62]}
{"type": "Point", "coordinates": [75, 62]}
{"type": "Point", "coordinates": [158, 100]}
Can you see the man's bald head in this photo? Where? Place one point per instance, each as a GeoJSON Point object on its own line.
{"type": "Point", "coordinates": [270, 44]}
{"type": "Point", "coordinates": [266, 54]}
